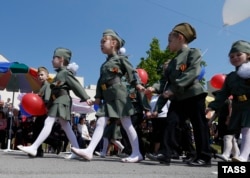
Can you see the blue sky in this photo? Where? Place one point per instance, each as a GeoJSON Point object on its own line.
{"type": "Point", "coordinates": [31, 30]}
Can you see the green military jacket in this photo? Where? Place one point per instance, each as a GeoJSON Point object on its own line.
{"type": "Point", "coordinates": [182, 73]}
{"type": "Point", "coordinates": [139, 100]}
{"type": "Point", "coordinates": [61, 101]}
{"type": "Point", "coordinates": [45, 92]}
{"type": "Point", "coordinates": [239, 88]}
{"type": "Point", "coordinates": [112, 91]}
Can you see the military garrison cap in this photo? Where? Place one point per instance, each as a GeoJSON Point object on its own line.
{"type": "Point", "coordinates": [186, 30]}
{"type": "Point", "coordinates": [240, 46]}
{"type": "Point", "coordinates": [63, 52]}
{"type": "Point", "coordinates": [110, 32]}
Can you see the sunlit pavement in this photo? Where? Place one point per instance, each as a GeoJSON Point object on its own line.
{"type": "Point", "coordinates": [14, 163]}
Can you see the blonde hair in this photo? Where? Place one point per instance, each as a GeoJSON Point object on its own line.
{"type": "Point", "coordinates": [40, 69]}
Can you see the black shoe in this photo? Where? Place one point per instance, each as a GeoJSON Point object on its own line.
{"type": "Point", "coordinates": [59, 147]}
{"type": "Point", "coordinates": [152, 157]}
{"type": "Point", "coordinates": [159, 157]}
{"type": "Point", "coordinates": [175, 156]}
{"type": "Point", "coordinates": [200, 163]}
{"type": "Point", "coordinates": [188, 159]}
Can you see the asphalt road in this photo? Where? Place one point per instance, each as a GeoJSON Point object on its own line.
{"type": "Point", "coordinates": [15, 164]}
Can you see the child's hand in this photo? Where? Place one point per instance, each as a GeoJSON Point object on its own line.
{"type": "Point", "coordinates": [148, 114]}
{"type": "Point", "coordinates": [89, 102]}
{"type": "Point", "coordinates": [140, 87]}
{"type": "Point", "coordinates": [149, 90]}
{"type": "Point", "coordinates": [208, 110]}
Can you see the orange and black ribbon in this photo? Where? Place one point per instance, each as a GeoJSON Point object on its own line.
{"type": "Point", "coordinates": [183, 67]}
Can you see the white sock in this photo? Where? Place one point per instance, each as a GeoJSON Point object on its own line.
{"type": "Point", "coordinates": [97, 135]}
{"type": "Point", "coordinates": [105, 146]}
{"type": "Point", "coordinates": [132, 135]}
{"type": "Point", "coordinates": [118, 144]}
{"type": "Point", "coordinates": [235, 149]}
{"type": "Point", "coordinates": [69, 132]}
{"type": "Point", "coordinates": [245, 143]}
{"type": "Point", "coordinates": [228, 139]}
{"type": "Point", "coordinates": [49, 121]}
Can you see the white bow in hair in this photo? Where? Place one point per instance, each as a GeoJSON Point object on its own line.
{"type": "Point", "coordinates": [244, 70]}
{"type": "Point", "coordinates": [73, 67]}
{"type": "Point", "coordinates": [122, 50]}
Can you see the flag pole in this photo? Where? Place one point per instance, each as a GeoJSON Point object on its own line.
{"type": "Point", "coordinates": [10, 115]}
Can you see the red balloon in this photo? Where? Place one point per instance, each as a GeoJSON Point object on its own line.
{"type": "Point", "coordinates": [217, 81]}
{"type": "Point", "coordinates": [33, 104]}
{"type": "Point", "coordinates": [143, 75]}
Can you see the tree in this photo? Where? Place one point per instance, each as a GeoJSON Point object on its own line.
{"type": "Point", "coordinates": [153, 62]}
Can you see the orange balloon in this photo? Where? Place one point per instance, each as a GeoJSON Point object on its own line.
{"type": "Point", "coordinates": [143, 75]}
{"type": "Point", "coordinates": [217, 81]}
{"type": "Point", "coordinates": [33, 104]}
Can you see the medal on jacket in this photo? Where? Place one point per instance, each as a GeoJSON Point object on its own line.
{"type": "Point", "coordinates": [115, 69]}
{"type": "Point", "coordinates": [132, 95]}
{"type": "Point", "coordinates": [103, 86]}
{"type": "Point", "coordinates": [183, 67]}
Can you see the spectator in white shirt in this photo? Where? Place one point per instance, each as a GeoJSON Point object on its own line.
{"type": "Point", "coordinates": [83, 132]}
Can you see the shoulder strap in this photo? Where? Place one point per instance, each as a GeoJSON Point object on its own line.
{"type": "Point", "coordinates": [191, 50]}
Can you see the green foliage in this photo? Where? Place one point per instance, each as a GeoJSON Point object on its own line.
{"type": "Point", "coordinates": [154, 60]}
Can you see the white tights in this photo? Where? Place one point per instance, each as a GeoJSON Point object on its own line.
{"type": "Point", "coordinates": [48, 124]}
{"type": "Point", "coordinates": [118, 144]}
{"type": "Point", "coordinates": [245, 143]}
{"type": "Point", "coordinates": [127, 125]}
{"type": "Point", "coordinates": [106, 144]}
{"type": "Point", "coordinates": [230, 146]}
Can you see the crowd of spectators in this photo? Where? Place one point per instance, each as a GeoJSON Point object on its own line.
{"type": "Point", "coordinates": [16, 129]}
{"type": "Point", "coordinates": [22, 131]}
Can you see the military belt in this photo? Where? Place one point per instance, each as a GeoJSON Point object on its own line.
{"type": "Point", "coordinates": [110, 82]}
{"type": "Point", "coordinates": [57, 93]}
{"type": "Point", "coordinates": [241, 98]}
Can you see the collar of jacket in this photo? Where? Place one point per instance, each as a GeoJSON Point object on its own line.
{"type": "Point", "coordinates": [60, 68]}
{"type": "Point", "coordinates": [111, 56]}
{"type": "Point", "coordinates": [182, 50]}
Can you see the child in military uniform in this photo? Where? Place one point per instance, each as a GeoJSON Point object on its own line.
{"type": "Point", "coordinates": [186, 93]}
{"type": "Point", "coordinates": [112, 96]}
{"type": "Point", "coordinates": [237, 84]}
{"type": "Point", "coordinates": [226, 138]}
{"type": "Point", "coordinates": [142, 110]}
{"type": "Point", "coordinates": [44, 93]}
{"type": "Point", "coordinates": [59, 107]}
